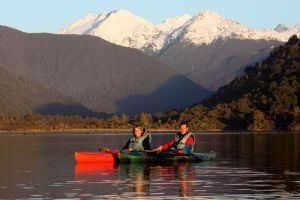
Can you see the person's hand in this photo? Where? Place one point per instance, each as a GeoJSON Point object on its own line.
{"type": "Point", "coordinates": [130, 149]}
{"type": "Point", "coordinates": [157, 149]}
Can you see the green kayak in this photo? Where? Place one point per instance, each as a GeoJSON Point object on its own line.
{"type": "Point", "coordinates": [141, 156]}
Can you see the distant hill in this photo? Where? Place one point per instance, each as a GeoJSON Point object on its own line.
{"type": "Point", "coordinates": [265, 98]}
{"type": "Point", "coordinates": [218, 63]}
{"type": "Point", "coordinates": [19, 96]}
{"type": "Point", "coordinates": [101, 76]}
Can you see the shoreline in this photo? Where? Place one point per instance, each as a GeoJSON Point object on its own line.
{"type": "Point", "coordinates": [126, 131]}
{"type": "Point", "coordinates": [88, 131]}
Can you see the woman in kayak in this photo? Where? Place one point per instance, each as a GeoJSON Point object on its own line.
{"type": "Point", "coordinates": [182, 143]}
{"type": "Point", "coordinates": [139, 141]}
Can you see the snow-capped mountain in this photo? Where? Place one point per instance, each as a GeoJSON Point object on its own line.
{"type": "Point", "coordinates": [81, 25]}
{"type": "Point", "coordinates": [124, 28]}
{"type": "Point", "coordinates": [172, 23]}
{"type": "Point", "coordinates": [208, 48]}
{"type": "Point", "coordinates": [208, 26]}
{"type": "Point", "coordinates": [212, 50]}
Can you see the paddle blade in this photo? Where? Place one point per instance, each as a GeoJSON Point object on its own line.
{"type": "Point", "coordinates": [106, 150]}
{"type": "Point", "coordinates": [103, 149]}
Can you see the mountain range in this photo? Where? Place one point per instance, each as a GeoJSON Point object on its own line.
{"type": "Point", "coordinates": [98, 75]}
{"type": "Point", "coordinates": [88, 68]}
{"type": "Point", "coordinates": [126, 29]}
{"type": "Point", "coordinates": [207, 48]}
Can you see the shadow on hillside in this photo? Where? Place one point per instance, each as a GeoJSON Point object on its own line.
{"type": "Point", "coordinates": [177, 93]}
{"type": "Point", "coordinates": [69, 110]}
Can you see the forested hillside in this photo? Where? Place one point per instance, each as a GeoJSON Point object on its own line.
{"type": "Point", "coordinates": [265, 98]}
{"type": "Point", "coordinates": [21, 96]}
{"type": "Point", "coordinates": [99, 75]}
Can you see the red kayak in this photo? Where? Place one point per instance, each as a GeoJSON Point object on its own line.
{"type": "Point", "coordinates": [92, 157]}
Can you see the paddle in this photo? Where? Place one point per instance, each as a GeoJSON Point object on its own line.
{"type": "Point", "coordinates": [197, 157]}
{"type": "Point", "coordinates": [106, 150]}
{"type": "Point", "coordinates": [150, 151]}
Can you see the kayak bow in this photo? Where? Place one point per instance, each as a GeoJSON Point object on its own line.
{"type": "Point", "coordinates": [94, 157]}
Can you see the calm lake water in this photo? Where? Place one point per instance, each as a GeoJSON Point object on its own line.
{"type": "Point", "coordinates": [249, 166]}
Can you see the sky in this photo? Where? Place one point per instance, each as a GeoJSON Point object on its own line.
{"type": "Point", "coordinates": [53, 15]}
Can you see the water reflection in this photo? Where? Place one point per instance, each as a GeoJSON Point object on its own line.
{"type": "Point", "coordinates": [139, 176]}
{"type": "Point", "coordinates": [185, 180]}
{"type": "Point", "coordinates": [253, 166]}
{"type": "Point", "coordinates": [174, 177]}
{"type": "Point", "coordinates": [180, 174]}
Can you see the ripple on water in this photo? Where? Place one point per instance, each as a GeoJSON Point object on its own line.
{"type": "Point", "coordinates": [265, 181]}
{"type": "Point", "coordinates": [77, 189]}
{"type": "Point", "coordinates": [237, 184]}
{"type": "Point", "coordinates": [75, 182]}
{"type": "Point", "coordinates": [56, 185]}
{"type": "Point", "coordinates": [71, 195]}
{"type": "Point", "coordinates": [111, 196]}
{"type": "Point", "coordinates": [28, 187]}
{"type": "Point", "coordinates": [36, 195]}
{"type": "Point", "coordinates": [288, 172]}
{"type": "Point", "coordinates": [86, 195]}
{"type": "Point", "coordinates": [20, 184]}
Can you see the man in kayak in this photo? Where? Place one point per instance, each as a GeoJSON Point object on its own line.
{"type": "Point", "coordinates": [182, 143]}
{"type": "Point", "coordinates": [139, 141]}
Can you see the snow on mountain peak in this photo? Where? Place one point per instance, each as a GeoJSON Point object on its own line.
{"type": "Point", "coordinates": [81, 25]}
{"type": "Point", "coordinates": [208, 15]}
{"type": "Point", "coordinates": [203, 28]}
{"type": "Point", "coordinates": [184, 17]}
{"type": "Point", "coordinates": [121, 27]}
{"type": "Point", "coordinates": [281, 28]}
{"type": "Point", "coordinates": [124, 28]}
{"type": "Point", "coordinates": [122, 11]}
{"type": "Point", "coordinates": [208, 26]}
{"type": "Point", "coordinates": [173, 23]}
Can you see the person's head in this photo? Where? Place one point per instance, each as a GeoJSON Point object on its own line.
{"type": "Point", "coordinates": [138, 131]}
{"type": "Point", "coordinates": [184, 127]}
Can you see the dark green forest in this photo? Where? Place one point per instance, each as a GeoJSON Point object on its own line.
{"type": "Point", "coordinates": [265, 98]}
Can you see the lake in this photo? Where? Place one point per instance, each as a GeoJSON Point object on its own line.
{"type": "Point", "coordinates": [249, 166]}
